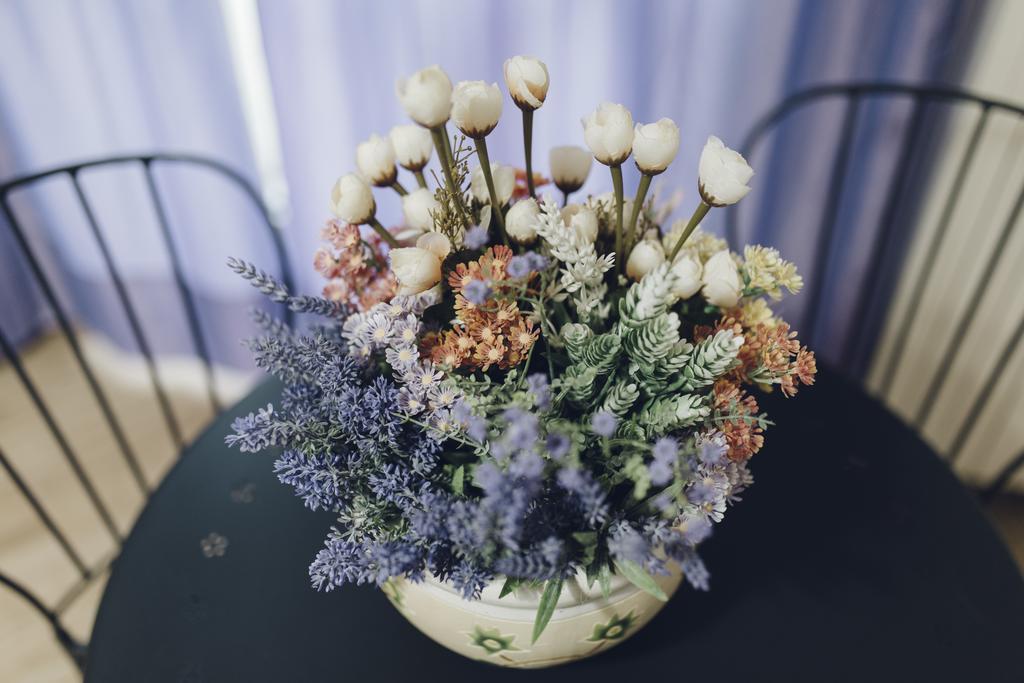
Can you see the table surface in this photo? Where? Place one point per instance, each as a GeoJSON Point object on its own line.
{"type": "Point", "coordinates": [857, 555]}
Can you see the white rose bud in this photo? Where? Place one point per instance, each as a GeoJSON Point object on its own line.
{"type": "Point", "coordinates": [527, 81]}
{"type": "Point", "coordinates": [426, 96]}
{"type": "Point", "coordinates": [417, 208]}
{"type": "Point", "coordinates": [687, 270]}
{"type": "Point", "coordinates": [724, 174]}
{"type": "Point", "coordinates": [521, 220]}
{"type": "Point", "coordinates": [645, 257]}
{"type": "Point", "coordinates": [608, 132]}
{"type": "Point", "coordinates": [352, 200]}
{"type": "Point", "coordinates": [415, 268]}
{"type": "Point", "coordinates": [504, 184]}
{"type": "Point", "coordinates": [375, 159]}
{"type": "Point", "coordinates": [476, 107]}
{"type": "Point", "coordinates": [570, 166]}
{"type": "Point", "coordinates": [655, 145]}
{"type": "Point", "coordinates": [436, 243]}
{"type": "Point", "coordinates": [721, 280]}
{"type": "Point", "coordinates": [413, 146]}
{"type": "Point", "coordinates": [581, 220]}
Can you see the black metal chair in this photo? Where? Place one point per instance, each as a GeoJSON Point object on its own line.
{"type": "Point", "coordinates": [85, 571]}
{"type": "Point", "coordinates": [930, 109]}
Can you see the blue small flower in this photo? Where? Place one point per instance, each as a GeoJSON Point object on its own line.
{"type": "Point", "coordinates": [519, 267]}
{"type": "Point", "coordinates": [538, 262]}
{"type": "Point", "coordinates": [665, 452]}
{"type": "Point", "coordinates": [476, 292]}
{"type": "Point", "coordinates": [603, 423]}
{"type": "Point", "coordinates": [538, 387]}
{"type": "Point", "coordinates": [476, 237]}
{"type": "Point", "coordinates": [557, 445]}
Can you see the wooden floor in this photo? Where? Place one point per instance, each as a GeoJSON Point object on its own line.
{"type": "Point", "coordinates": [29, 652]}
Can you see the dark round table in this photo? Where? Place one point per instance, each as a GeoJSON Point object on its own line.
{"type": "Point", "coordinates": [857, 556]}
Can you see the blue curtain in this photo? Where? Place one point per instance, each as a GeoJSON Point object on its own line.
{"type": "Point", "coordinates": [79, 80]}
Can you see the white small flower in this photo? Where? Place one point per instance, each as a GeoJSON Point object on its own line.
{"type": "Point", "coordinates": [645, 257]}
{"type": "Point", "coordinates": [608, 132]}
{"type": "Point", "coordinates": [582, 220]}
{"type": "Point", "coordinates": [721, 280]}
{"type": "Point", "coordinates": [352, 199]}
{"type": "Point", "coordinates": [570, 166]}
{"type": "Point", "coordinates": [436, 243]}
{"type": "Point", "coordinates": [415, 268]}
{"type": "Point", "coordinates": [655, 145]}
{"type": "Point", "coordinates": [504, 178]}
{"type": "Point", "coordinates": [687, 270]}
{"type": "Point", "coordinates": [418, 208]}
{"type": "Point", "coordinates": [724, 174]}
{"type": "Point", "coordinates": [476, 107]}
{"type": "Point", "coordinates": [521, 220]}
{"type": "Point", "coordinates": [413, 146]}
{"type": "Point", "coordinates": [426, 96]}
{"type": "Point", "coordinates": [375, 159]}
{"type": "Point", "coordinates": [527, 81]}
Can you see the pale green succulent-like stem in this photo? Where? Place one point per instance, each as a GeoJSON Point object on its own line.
{"type": "Point", "coordinates": [638, 202]}
{"type": "Point", "coordinates": [528, 148]}
{"type": "Point", "coordinates": [698, 215]}
{"type": "Point", "coordinates": [485, 166]}
{"type": "Point", "coordinates": [382, 231]}
{"type": "Point", "coordinates": [617, 185]}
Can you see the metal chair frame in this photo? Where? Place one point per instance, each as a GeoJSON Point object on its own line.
{"type": "Point", "coordinates": [920, 96]}
{"type": "Point", "coordinates": [86, 572]}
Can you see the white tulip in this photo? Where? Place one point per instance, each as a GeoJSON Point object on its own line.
{"type": "Point", "coordinates": [721, 280]}
{"type": "Point", "coordinates": [570, 166]}
{"type": "Point", "coordinates": [527, 81]}
{"type": "Point", "coordinates": [687, 270]}
{"type": "Point", "coordinates": [582, 220]}
{"type": "Point", "coordinates": [415, 268]}
{"type": "Point", "coordinates": [608, 132]}
{"type": "Point", "coordinates": [655, 145]}
{"type": "Point", "coordinates": [436, 243]}
{"type": "Point", "coordinates": [417, 208]}
{"type": "Point", "coordinates": [521, 220]}
{"type": "Point", "coordinates": [352, 200]}
{"type": "Point", "coordinates": [426, 96]}
{"type": "Point", "coordinates": [724, 174]}
{"type": "Point", "coordinates": [413, 146]}
{"type": "Point", "coordinates": [375, 159]}
{"type": "Point", "coordinates": [645, 257]}
{"type": "Point", "coordinates": [504, 178]}
{"type": "Point", "coordinates": [476, 107]}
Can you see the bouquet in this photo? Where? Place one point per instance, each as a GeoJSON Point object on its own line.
{"type": "Point", "coordinates": [508, 387]}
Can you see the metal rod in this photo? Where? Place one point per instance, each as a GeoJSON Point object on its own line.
{"type": "Point", "coordinates": [44, 517]}
{"type": "Point", "coordinates": [129, 312]}
{"type": "Point", "coordinates": [76, 349]}
{"type": "Point", "coordinates": [931, 256]}
{"type": "Point", "coordinates": [188, 302]}
{"type": "Point", "coordinates": [830, 215]}
{"type": "Point", "coordinates": [1003, 478]}
{"type": "Point", "coordinates": [956, 340]}
{"type": "Point", "coordinates": [76, 650]}
{"type": "Point", "coordinates": [58, 435]}
{"type": "Point", "coordinates": [885, 234]}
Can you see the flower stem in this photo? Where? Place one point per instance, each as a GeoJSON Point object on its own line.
{"type": "Point", "coordinates": [698, 215]}
{"type": "Point", "coordinates": [617, 184]}
{"type": "Point", "coordinates": [440, 136]}
{"type": "Point", "coordinates": [528, 145]}
{"type": "Point", "coordinates": [382, 231]}
{"type": "Point", "coordinates": [565, 199]}
{"type": "Point", "coordinates": [485, 166]}
{"type": "Point", "coordinates": [420, 180]}
{"type": "Point", "coordinates": [638, 202]}
{"type": "Point", "coordinates": [399, 188]}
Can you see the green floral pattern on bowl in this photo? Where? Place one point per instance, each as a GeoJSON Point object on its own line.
{"type": "Point", "coordinates": [491, 640]}
{"type": "Point", "coordinates": [614, 629]}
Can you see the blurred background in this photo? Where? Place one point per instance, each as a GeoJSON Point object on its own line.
{"type": "Point", "coordinates": [899, 208]}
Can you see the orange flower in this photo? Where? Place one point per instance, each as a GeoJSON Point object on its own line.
{"type": "Point", "coordinates": [463, 274]}
{"type": "Point", "coordinates": [738, 409]}
{"type": "Point", "coordinates": [490, 353]}
{"type": "Point", "coordinates": [506, 312]}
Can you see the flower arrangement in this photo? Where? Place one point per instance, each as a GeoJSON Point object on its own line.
{"type": "Point", "coordinates": [508, 389]}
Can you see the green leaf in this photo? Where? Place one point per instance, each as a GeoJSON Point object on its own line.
{"type": "Point", "coordinates": [605, 577]}
{"type": "Point", "coordinates": [510, 585]}
{"type": "Point", "coordinates": [588, 540]}
{"type": "Point", "coordinates": [546, 607]}
{"type": "Point", "coordinates": [639, 577]}
{"type": "Point", "coordinates": [458, 480]}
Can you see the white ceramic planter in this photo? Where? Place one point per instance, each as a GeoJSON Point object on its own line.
{"type": "Point", "coordinates": [499, 631]}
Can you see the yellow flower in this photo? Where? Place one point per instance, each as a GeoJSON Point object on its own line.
{"type": "Point", "coordinates": [769, 272]}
